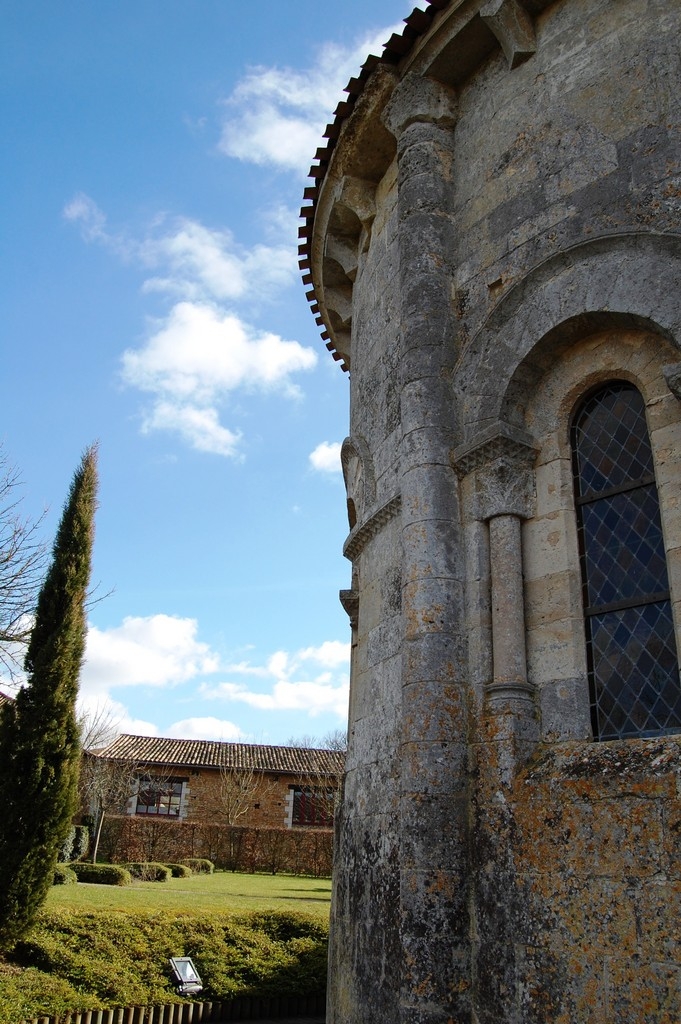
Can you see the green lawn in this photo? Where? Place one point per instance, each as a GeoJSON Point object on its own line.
{"type": "Point", "coordinates": [222, 891]}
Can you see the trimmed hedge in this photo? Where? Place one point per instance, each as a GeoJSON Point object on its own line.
{"type": "Point", "coordinates": [200, 865]}
{"type": "Point", "coordinates": [149, 871]}
{"type": "Point", "coordinates": [180, 870]}
{"type": "Point", "coordinates": [294, 851]}
{"type": "Point", "coordinates": [63, 875]}
{"type": "Point", "coordinates": [103, 874]}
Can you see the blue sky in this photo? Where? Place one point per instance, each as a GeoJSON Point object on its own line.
{"type": "Point", "coordinates": [153, 162]}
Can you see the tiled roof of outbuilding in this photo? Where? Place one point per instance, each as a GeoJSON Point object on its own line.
{"type": "Point", "coordinates": [397, 47]}
{"type": "Point", "coordinates": [5, 699]}
{"type": "Point", "coordinates": [151, 750]}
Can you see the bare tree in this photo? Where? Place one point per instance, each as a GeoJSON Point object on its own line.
{"type": "Point", "coordinates": [305, 742]}
{"type": "Point", "coordinates": [240, 788]}
{"type": "Point", "coordinates": [23, 559]}
{"type": "Point", "coordinates": [98, 726]}
{"type": "Point", "coordinates": [318, 790]}
{"type": "Point", "coordinates": [334, 739]}
{"type": "Point", "coordinates": [106, 786]}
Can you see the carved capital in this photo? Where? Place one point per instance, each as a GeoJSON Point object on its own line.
{"type": "Point", "coordinates": [502, 459]}
{"type": "Point", "coordinates": [505, 486]}
{"type": "Point", "coordinates": [513, 27]}
{"type": "Point", "coordinates": [419, 100]}
{"type": "Point", "coordinates": [350, 601]}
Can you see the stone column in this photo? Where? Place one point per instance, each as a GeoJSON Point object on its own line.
{"type": "Point", "coordinates": [502, 460]}
{"type": "Point", "coordinates": [500, 488]}
{"type": "Point", "coordinates": [434, 796]}
{"type": "Point", "coordinates": [508, 613]}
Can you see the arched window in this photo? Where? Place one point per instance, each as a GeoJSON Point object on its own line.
{"type": "Point", "coordinates": [631, 649]}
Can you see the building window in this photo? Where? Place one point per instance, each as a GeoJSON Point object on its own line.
{"type": "Point", "coordinates": [312, 806]}
{"type": "Point", "coordinates": [631, 649]}
{"type": "Point", "coordinates": [159, 796]}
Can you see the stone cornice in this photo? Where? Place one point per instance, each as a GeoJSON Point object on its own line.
{"type": "Point", "coordinates": [363, 532]}
{"type": "Point", "coordinates": [420, 49]}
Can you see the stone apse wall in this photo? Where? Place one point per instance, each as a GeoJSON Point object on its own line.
{"type": "Point", "coordinates": [495, 232]}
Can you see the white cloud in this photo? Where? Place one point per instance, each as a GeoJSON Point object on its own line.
{"type": "Point", "coordinates": [332, 654]}
{"type": "Point", "coordinates": [84, 211]}
{"type": "Point", "coordinates": [200, 354]}
{"type": "Point", "coordinates": [201, 264]}
{"type": "Point", "coordinates": [196, 358]}
{"type": "Point", "coordinates": [276, 116]}
{"type": "Point", "coordinates": [120, 718]}
{"type": "Point", "coordinates": [279, 222]}
{"type": "Point", "coordinates": [326, 457]}
{"type": "Point", "coordinates": [201, 428]}
{"type": "Point", "coordinates": [205, 729]}
{"type": "Point", "coordinates": [289, 684]}
{"type": "Point", "coordinates": [159, 650]}
{"type": "Point", "coordinates": [314, 698]}
{"type": "Point", "coordinates": [193, 261]}
{"type": "Point", "coordinates": [201, 351]}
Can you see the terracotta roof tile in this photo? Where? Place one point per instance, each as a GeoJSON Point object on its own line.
{"type": "Point", "coordinates": [151, 750]}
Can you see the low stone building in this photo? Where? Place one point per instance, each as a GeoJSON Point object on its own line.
{"type": "Point", "coordinates": [492, 247]}
{"type": "Point", "coordinates": [242, 784]}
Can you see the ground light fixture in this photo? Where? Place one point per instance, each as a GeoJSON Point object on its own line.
{"type": "Point", "coordinates": [185, 976]}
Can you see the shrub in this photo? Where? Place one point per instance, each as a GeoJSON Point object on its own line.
{"type": "Point", "coordinates": [149, 871]}
{"type": "Point", "coordinates": [284, 925]}
{"type": "Point", "coordinates": [75, 844]}
{"type": "Point", "coordinates": [31, 993]}
{"type": "Point", "coordinates": [81, 842]}
{"type": "Point", "coordinates": [180, 870]}
{"type": "Point", "coordinates": [63, 875]}
{"type": "Point", "coordinates": [114, 958]}
{"type": "Point", "coordinates": [104, 874]}
{"type": "Point", "coordinates": [64, 855]}
{"type": "Point", "coordinates": [200, 865]}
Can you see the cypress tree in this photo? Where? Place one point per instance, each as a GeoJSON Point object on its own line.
{"type": "Point", "coordinates": [39, 741]}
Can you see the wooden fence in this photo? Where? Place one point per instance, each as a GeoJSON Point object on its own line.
{"type": "Point", "coordinates": [243, 1008]}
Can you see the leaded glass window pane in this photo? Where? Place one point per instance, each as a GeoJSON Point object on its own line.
{"type": "Point", "coordinates": [635, 685]}
{"type": "Point", "coordinates": [623, 547]}
{"type": "Point", "coordinates": [159, 796]}
{"type": "Point", "coordinates": [631, 648]}
{"type": "Point", "coordinates": [312, 806]}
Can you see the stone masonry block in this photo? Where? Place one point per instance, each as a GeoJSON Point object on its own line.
{"type": "Point", "coordinates": [434, 711]}
{"type": "Point", "coordinates": [433, 830]}
{"type": "Point", "coordinates": [432, 605]}
{"type": "Point", "coordinates": [433, 768]}
{"type": "Point", "coordinates": [435, 656]}
{"type": "Point", "coordinates": [634, 986]}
